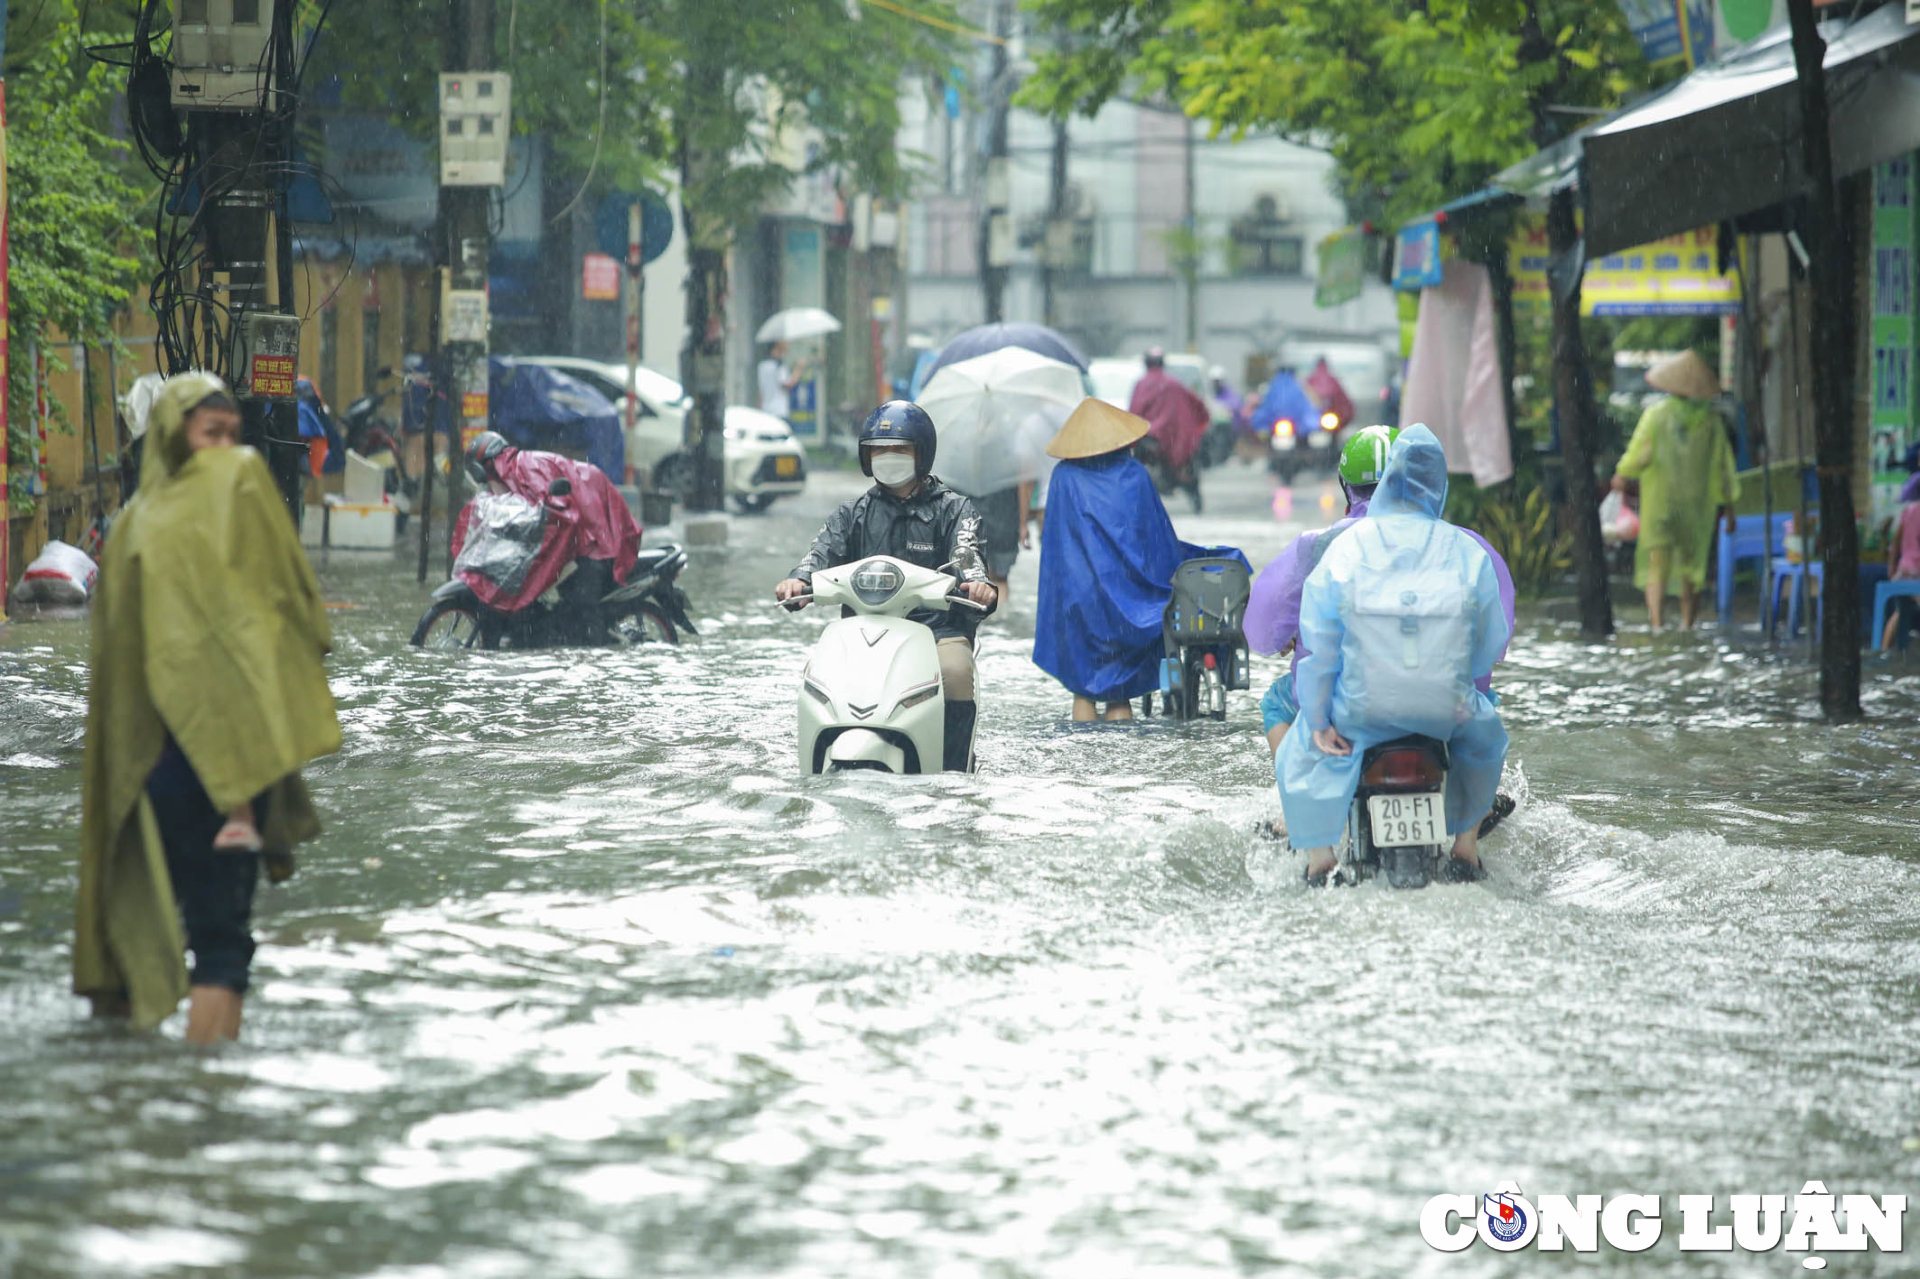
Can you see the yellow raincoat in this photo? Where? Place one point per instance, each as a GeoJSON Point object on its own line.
{"type": "Point", "coordinates": [208, 624]}
{"type": "Point", "coordinates": [1680, 455]}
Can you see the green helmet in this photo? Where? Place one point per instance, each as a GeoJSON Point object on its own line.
{"type": "Point", "coordinates": [1363, 459]}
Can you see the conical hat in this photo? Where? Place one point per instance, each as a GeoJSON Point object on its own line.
{"type": "Point", "coordinates": [1096, 427]}
{"type": "Point", "coordinates": [1685, 374]}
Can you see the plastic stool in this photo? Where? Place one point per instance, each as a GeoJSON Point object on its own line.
{"type": "Point", "coordinates": [1883, 597]}
{"type": "Point", "coordinates": [1794, 576]}
{"type": "Point", "coordinates": [1748, 541]}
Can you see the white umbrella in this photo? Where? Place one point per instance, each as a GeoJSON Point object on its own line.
{"type": "Point", "coordinates": [795, 323]}
{"type": "Point", "coordinates": [996, 414]}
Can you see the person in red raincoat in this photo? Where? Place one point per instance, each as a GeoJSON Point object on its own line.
{"type": "Point", "coordinates": [1179, 420]}
{"type": "Point", "coordinates": [1326, 389]}
{"type": "Point", "coordinates": [590, 526]}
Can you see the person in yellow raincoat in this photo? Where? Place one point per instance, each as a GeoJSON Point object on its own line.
{"type": "Point", "coordinates": [206, 693]}
{"type": "Point", "coordinates": [1680, 455]}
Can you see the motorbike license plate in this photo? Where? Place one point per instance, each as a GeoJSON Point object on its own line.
{"type": "Point", "coordinates": [785, 466]}
{"type": "Point", "coordinates": [1321, 440]}
{"type": "Point", "coordinates": [1401, 821]}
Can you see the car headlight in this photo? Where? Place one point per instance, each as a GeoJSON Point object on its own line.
{"type": "Point", "coordinates": [877, 581]}
{"type": "Point", "coordinates": [732, 433]}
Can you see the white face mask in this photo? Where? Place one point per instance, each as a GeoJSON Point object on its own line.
{"type": "Point", "coordinates": [893, 469]}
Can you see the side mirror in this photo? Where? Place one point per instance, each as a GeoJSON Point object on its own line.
{"type": "Point", "coordinates": [560, 488]}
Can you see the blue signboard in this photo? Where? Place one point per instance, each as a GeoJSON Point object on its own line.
{"type": "Point", "coordinates": [1416, 258]}
{"type": "Point", "coordinates": [610, 225]}
{"type": "Point", "coordinates": [1656, 26]}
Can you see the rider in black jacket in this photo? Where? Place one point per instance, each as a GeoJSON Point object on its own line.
{"type": "Point", "coordinates": [910, 515]}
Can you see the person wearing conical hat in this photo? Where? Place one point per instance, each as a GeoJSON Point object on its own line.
{"type": "Point", "coordinates": [1684, 464]}
{"type": "Point", "coordinates": [1107, 556]}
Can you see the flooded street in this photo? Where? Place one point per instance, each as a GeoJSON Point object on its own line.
{"type": "Point", "coordinates": [585, 980]}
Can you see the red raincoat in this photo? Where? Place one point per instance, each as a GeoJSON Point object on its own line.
{"type": "Point", "coordinates": [592, 522]}
{"type": "Point", "coordinates": [1327, 390]}
{"type": "Point", "coordinates": [1178, 416]}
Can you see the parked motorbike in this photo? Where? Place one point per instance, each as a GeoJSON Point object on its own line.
{"type": "Point", "coordinates": [870, 695]}
{"type": "Point", "coordinates": [649, 607]}
{"type": "Point", "coordinates": [1206, 649]}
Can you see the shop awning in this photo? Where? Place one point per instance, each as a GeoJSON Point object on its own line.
{"type": "Point", "coordinates": [1725, 139]}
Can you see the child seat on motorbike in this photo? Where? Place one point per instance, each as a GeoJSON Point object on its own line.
{"type": "Point", "coordinates": [1409, 635]}
{"type": "Point", "coordinates": [1209, 603]}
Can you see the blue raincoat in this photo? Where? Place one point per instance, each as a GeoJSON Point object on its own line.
{"type": "Point", "coordinates": [1285, 398]}
{"type": "Point", "coordinates": [1399, 620]}
{"type": "Point", "coordinates": [1107, 555]}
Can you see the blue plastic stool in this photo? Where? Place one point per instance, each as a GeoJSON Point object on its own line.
{"type": "Point", "coordinates": [1748, 541]}
{"type": "Point", "coordinates": [1883, 596]}
{"type": "Point", "coordinates": [1794, 576]}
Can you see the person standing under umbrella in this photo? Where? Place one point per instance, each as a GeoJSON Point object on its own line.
{"type": "Point", "coordinates": [1680, 456]}
{"type": "Point", "coordinates": [777, 380]}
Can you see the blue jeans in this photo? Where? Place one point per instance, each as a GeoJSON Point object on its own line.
{"type": "Point", "coordinates": [1278, 706]}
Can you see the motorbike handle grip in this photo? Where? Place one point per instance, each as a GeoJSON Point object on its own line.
{"type": "Point", "coordinates": [961, 599]}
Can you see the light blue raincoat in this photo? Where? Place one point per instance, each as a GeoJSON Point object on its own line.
{"type": "Point", "coordinates": [1399, 619]}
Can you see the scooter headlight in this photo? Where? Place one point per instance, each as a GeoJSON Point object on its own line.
{"type": "Point", "coordinates": [876, 582]}
{"type": "Point", "coordinates": [916, 697]}
{"type": "Point", "coordinates": [1329, 421]}
{"type": "Point", "coordinates": [817, 693]}
{"type": "Point", "coordinates": [1284, 427]}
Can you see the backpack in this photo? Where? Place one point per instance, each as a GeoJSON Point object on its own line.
{"type": "Point", "coordinates": [1406, 659]}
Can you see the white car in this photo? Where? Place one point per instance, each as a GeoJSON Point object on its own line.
{"type": "Point", "coordinates": [763, 460]}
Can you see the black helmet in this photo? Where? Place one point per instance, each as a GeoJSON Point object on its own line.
{"type": "Point", "coordinates": [480, 454]}
{"type": "Point", "coordinates": [900, 422]}
{"type": "Point", "coordinates": [1156, 357]}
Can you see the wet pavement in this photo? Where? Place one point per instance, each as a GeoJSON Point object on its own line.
{"type": "Point", "coordinates": [586, 980]}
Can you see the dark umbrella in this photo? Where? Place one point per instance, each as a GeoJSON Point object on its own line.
{"type": "Point", "coordinates": [988, 338]}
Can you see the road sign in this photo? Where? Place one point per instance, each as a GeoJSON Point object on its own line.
{"type": "Point", "coordinates": [610, 225]}
{"type": "Point", "coordinates": [599, 278]}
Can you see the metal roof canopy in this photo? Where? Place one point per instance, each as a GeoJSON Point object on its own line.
{"type": "Point", "coordinates": [1724, 140]}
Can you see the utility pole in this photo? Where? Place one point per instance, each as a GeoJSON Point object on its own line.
{"type": "Point", "coordinates": [474, 131]}
{"type": "Point", "coordinates": [1056, 246]}
{"type": "Point", "coordinates": [1829, 281]}
{"type": "Point", "coordinates": [1190, 246]}
{"type": "Point", "coordinates": [995, 229]}
{"type": "Point", "coordinates": [703, 360]}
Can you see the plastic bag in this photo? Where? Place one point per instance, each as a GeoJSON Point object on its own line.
{"type": "Point", "coordinates": [1618, 521]}
{"type": "Point", "coordinates": [61, 575]}
{"type": "Point", "coordinates": [504, 533]}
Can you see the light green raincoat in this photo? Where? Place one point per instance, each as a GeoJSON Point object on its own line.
{"type": "Point", "coordinates": [208, 624]}
{"type": "Point", "coordinates": [1681, 457]}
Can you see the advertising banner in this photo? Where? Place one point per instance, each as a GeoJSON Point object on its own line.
{"type": "Point", "coordinates": [1674, 276]}
{"type": "Point", "coordinates": [1343, 267]}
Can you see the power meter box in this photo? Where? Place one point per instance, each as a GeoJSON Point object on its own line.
{"type": "Point", "coordinates": [266, 355]}
{"type": "Point", "coordinates": [475, 123]}
{"type": "Point", "coordinates": [220, 54]}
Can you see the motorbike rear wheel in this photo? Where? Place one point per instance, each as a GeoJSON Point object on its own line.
{"type": "Point", "coordinates": [452, 624]}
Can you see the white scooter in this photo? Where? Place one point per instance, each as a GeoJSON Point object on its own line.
{"type": "Point", "coordinates": [870, 696]}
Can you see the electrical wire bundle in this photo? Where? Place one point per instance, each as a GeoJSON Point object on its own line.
{"type": "Point", "coordinates": [206, 161]}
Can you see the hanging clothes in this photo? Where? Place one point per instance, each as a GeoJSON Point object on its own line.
{"type": "Point", "coordinates": [1453, 375]}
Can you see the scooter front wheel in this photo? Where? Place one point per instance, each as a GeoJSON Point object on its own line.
{"type": "Point", "coordinates": [645, 624]}
{"type": "Point", "coordinates": [452, 624]}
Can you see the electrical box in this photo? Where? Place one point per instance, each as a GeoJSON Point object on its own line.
{"type": "Point", "coordinates": [220, 58]}
{"type": "Point", "coordinates": [475, 123]}
{"type": "Point", "coordinates": [266, 355]}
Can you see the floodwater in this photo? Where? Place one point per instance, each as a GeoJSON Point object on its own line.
{"type": "Point", "coordinates": [585, 980]}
